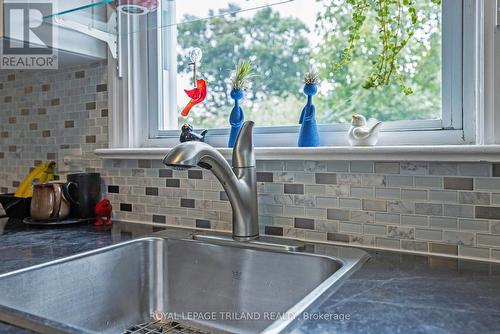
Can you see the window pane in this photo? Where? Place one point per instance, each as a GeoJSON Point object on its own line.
{"type": "Point", "coordinates": [283, 41]}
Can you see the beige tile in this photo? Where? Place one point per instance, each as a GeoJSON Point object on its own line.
{"type": "Point", "coordinates": [387, 167]}
{"type": "Point", "coordinates": [373, 229]}
{"type": "Point", "coordinates": [474, 252]}
{"type": "Point", "coordinates": [428, 234]}
{"type": "Point", "coordinates": [459, 238]}
{"type": "Point", "coordinates": [413, 194]}
{"type": "Point", "coordinates": [443, 248]}
{"type": "Point", "coordinates": [444, 222]}
{"type": "Point", "coordinates": [414, 220]}
{"type": "Point", "coordinates": [488, 240]}
{"type": "Point", "coordinates": [388, 243]}
{"type": "Point", "coordinates": [418, 246]}
{"type": "Point", "coordinates": [374, 205]}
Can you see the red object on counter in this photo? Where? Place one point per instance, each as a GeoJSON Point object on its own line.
{"type": "Point", "coordinates": [103, 209]}
{"type": "Point", "coordinates": [197, 95]}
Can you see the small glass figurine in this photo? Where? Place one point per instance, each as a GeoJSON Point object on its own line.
{"type": "Point", "coordinates": [188, 134]}
{"type": "Point", "coordinates": [199, 93]}
{"type": "Point", "coordinates": [239, 82]}
{"type": "Point", "coordinates": [308, 135]}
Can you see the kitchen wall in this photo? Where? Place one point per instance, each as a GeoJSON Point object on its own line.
{"type": "Point", "coordinates": [50, 115]}
{"type": "Point", "coordinates": [440, 208]}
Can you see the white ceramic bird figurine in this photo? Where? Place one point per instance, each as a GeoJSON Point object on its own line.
{"type": "Point", "coordinates": [363, 134]}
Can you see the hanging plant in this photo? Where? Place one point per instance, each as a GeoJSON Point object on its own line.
{"type": "Point", "coordinates": [396, 23]}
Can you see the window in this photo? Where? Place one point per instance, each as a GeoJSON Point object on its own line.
{"type": "Point", "coordinates": [283, 39]}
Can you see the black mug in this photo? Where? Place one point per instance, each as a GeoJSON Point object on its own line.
{"type": "Point", "coordinates": [84, 192]}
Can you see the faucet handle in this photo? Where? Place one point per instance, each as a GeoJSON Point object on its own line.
{"type": "Point", "coordinates": [243, 152]}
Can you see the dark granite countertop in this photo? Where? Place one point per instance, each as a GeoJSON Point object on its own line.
{"type": "Point", "coordinates": [391, 293]}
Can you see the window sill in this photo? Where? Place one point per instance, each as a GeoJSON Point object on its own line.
{"type": "Point", "coordinates": [461, 153]}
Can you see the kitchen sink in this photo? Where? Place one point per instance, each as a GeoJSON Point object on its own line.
{"type": "Point", "coordinates": [198, 286]}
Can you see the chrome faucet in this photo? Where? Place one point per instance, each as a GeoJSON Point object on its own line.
{"type": "Point", "coordinates": [239, 182]}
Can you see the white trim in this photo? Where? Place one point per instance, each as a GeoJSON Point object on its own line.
{"type": "Point", "coordinates": [128, 119]}
{"type": "Point", "coordinates": [496, 71]}
{"type": "Point", "coordinates": [496, 108]}
{"type": "Point", "coordinates": [138, 73]}
{"type": "Point", "coordinates": [155, 81]}
{"type": "Point", "coordinates": [117, 103]}
{"type": "Point", "coordinates": [163, 82]}
{"type": "Point", "coordinates": [478, 80]}
{"type": "Point", "coordinates": [169, 36]}
{"type": "Point", "coordinates": [452, 65]}
{"type": "Point", "coordinates": [473, 74]}
{"type": "Point", "coordinates": [457, 153]}
{"type": "Point", "coordinates": [490, 99]}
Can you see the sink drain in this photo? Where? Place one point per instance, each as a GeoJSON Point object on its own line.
{"type": "Point", "coordinates": [160, 327]}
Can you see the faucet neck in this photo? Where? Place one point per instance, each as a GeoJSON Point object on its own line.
{"type": "Point", "coordinates": [243, 151]}
{"type": "Point", "coordinates": [245, 208]}
{"type": "Point", "coordinates": [244, 204]}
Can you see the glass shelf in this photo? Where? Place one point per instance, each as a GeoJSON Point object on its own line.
{"type": "Point", "coordinates": [60, 13]}
{"type": "Point", "coordinates": [96, 13]}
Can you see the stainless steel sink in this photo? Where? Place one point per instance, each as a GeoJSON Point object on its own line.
{"type": "Point", "coordinates": [112, 289]}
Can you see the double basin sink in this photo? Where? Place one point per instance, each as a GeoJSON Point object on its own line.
{"type": "Point", "coordinates": [177, 285]}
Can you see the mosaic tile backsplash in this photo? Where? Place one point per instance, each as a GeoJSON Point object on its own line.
{"type": "Point", "coordinates": [440, 208]}
{"type": "Point", "coordinates": [51, 115]}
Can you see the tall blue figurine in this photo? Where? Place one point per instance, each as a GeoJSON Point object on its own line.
{"type": "Point", "coordinates": [308, 135]}
{"type": "Point", "coordinates": [237, 116]}
{"type": "Point", "coordinates": [239, 82]}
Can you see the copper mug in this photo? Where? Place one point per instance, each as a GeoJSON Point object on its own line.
{"type": "Point", "coordinates": [49, 201]}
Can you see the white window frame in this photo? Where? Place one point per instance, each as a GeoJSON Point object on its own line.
{"type": "Point", "coordinates": [462, 30]}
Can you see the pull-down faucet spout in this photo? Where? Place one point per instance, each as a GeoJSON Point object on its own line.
{"type": "Point", "coordinates": [239, 181]}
